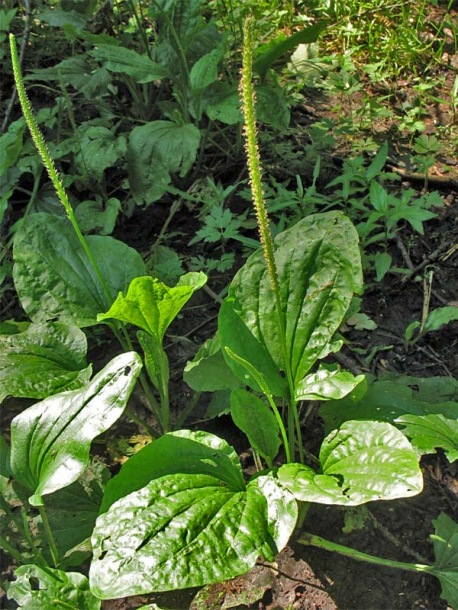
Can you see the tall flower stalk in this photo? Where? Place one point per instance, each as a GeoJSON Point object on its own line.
{"type": "Point", "coordinates": [248, 99]}
{"type": "Point", "coordinates": [48, 162]}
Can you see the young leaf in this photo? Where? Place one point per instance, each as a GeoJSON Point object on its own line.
{"type": "Point", "coordinates": [50, 441]}
{"type": "Point", "coordinates": [439, 317]}
{"type": "Point", "coordinates": [445, 542]}
{"type": "Point", "coordinates": [187, 530]}
{"type": "Point", "coordinates": [327, 383]}
{"type": "Point", "coordinates": [46, 588]}
{"type": "Point", "coordinates": [43, 360]}
{"type": "Point", "coordinates": [361, 462]}
{"type": "Point", "coordinates": [151, 305]}
{"type": "Point", "coordinates": [257, 421]}
{"type": "Point", "coordinates": [319, 269]}
{"type": "Point", "coordinates": [428, 432]}
{"type": "Point", "coordinates": [54, 278]}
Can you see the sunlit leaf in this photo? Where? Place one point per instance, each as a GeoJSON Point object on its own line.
{"type": "Point", "coordinates": [50, 441]}
{"type": "Point", "coordinates": [361, 462]}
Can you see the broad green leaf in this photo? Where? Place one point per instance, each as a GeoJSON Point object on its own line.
{"type": "Point", "coordinates": [361, 462]}
{"type": "Point", "coordinates": [43, 360]}
{"type": "Point", "coordinates": [11, 145]}
{"type": "Point", "coordinates": [392, 397]}
{"type": "Point", "coordinates": [223, 103]}
{"type": "Point", "coordinates": [319, 269]}
{"type": "Point", "coordinates": [268, 58]}
{"type": "Point", "coordinates": [429, 432]}
{"type": "Point", "coordinates": [155, 151]}
{"type": "Point", "coordinates": [54, 278]}
{"type": "Point", "coordinates": [181, 452]}
{"type": "Point", "coordinates": [151, 305]}
{"type": "Point", "coordinates": [188, 530]}
{"type": "Point", "coordinates": [98, 216]}
{"type": "Point", "coordinates": [72, 513]}
{"type": "Point", "coordinates": [235, 335]}
{"type": "Point", "coordinates": [445, 541]}
{"type": "Point", "coordinates": [50, 441]}
{"type": "Point", "coordinates": [439, 317]}
{"type": "Point", "coordinates": [99, 148]}
{"type": "Point", "coordinates": [382, 263]}
{"type": "Point", "coordinates": [271, 107]}
{"type": "Point", "coordinates": [205, 71]}
{"type": "Point", "coordinates": [327, 383]}
{"type": "Point", "coordinates": [208, 370]}
{"type": "Point", "coordinates": [258, 422]}
{"type": "Point", "coordinates": [38, 588]}
{"type": "Point", "coordinates": [127, 61]}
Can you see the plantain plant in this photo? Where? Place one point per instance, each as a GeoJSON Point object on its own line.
{"type": "Point", "coordinates": [180, 512]}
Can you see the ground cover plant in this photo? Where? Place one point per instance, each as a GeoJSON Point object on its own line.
{"type": "Point", "coordinates": [181, 512]}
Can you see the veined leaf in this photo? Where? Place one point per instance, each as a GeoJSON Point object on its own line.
{"type": "Point", "coordinates": [43, 360]}
{"type": "Point", "coordinates": [152, 305]}
{"type": "Point", "coordinates": [208, 370]}
{"type": "Point", "coordinates": [258, 422]}
{"type": "Point", "coordinates": [37, 588]}
{"type": "Point", "coordinates": [127, 61]}
{"type": "Point", "coordinates": [445, 541]}
{"type": "Point", "coordinates": [328, 382]}
{"type": "Point", "coordinates": [392, 397]}
{"type": "Point", "coordinates": [54, 278]}
{"type": "Point", "coordinates": [235, 335]}
{"type": "Point", "coordinates": [50, 441]}
{"type": "Point", "coordinates": [180, 452]}
{"type": "Point", "coordinates": [361, 462]}
{"type": "Point", "coordinates": [319, 269]}
{"type": "Point", "coordinates": [428, 432]}
{"type": "Point", "coordinates": [189, 528]}
{"type": "Point", "coordinates": [156, 150]}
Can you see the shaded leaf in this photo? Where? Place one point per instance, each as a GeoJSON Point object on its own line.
{"type": "Point", "coordinates": [445, 542]}
{"type": "Point", "coordinates": [127, 61]}
{"type": "Point", "coordinates": [38, 588]}
{"type": "Point", "coordinates": [182, 452]}
{"type": "Point", "coordinates": [208, 370]}
{"type": "Point", "coordinates": [50, 441]}
{"type": "Point", "coordinates": [266, 59]}
{"type": "Point", "coordinates": [429, 432]}
{"type": "Point", "coordinates": [43, 360]}
{"type": "Point", "coordinates": [54, 278]}
{"type": "Point", "coordinates": [392, 397]}
{"type": "Point", "coordinates": [258, 422]}
{"type": "Point", "coordinates": [361, 462]}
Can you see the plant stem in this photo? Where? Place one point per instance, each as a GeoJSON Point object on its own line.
{"type": "Point", "coordinates": [312, 540]}
{"type": "Point", "coordinates": [11, 550]}
{"type": "Point", "coordinates": [48, 162]}
{"type": "Point", "coordinates": [49, 536]}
